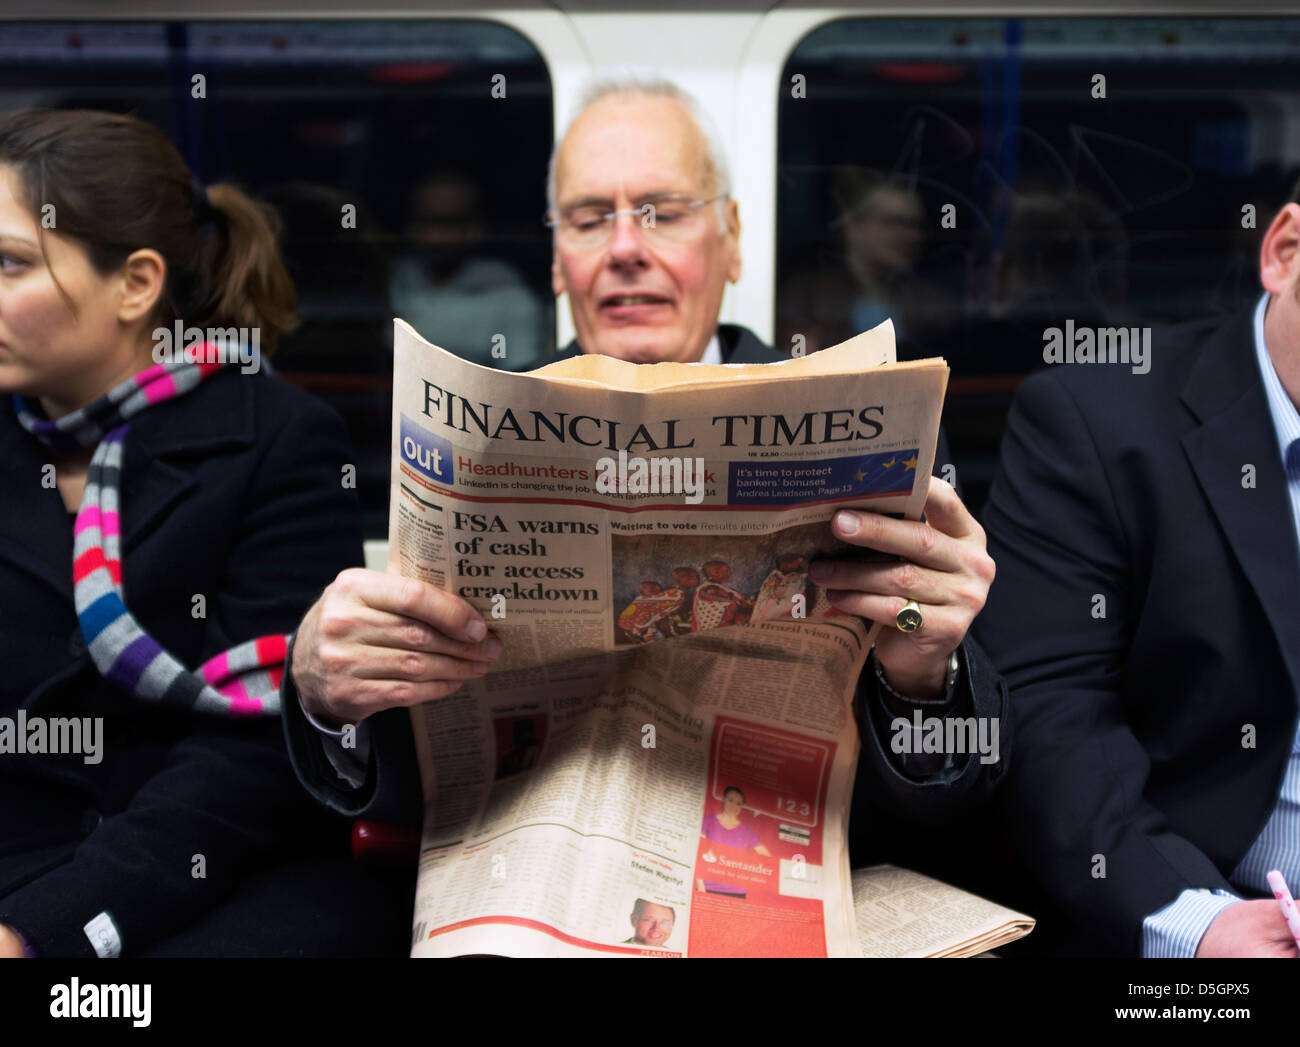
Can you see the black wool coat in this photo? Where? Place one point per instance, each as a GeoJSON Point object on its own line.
{"type": "Point", "coordinates": [233, 493]}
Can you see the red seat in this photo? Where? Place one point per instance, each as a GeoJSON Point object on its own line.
{"type": "Point", "coordinates": [385, 844]}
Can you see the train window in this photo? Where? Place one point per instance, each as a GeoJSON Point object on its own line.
{"type": "Point", "coordinates": [391, 150]}
{"type": "Point", "coordinates": [982, 180]}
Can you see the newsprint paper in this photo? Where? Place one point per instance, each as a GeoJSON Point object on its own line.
{"type": "Point", "coordinates": [661, 762]}
{"type": "Point", "coordinates": [902, 913]}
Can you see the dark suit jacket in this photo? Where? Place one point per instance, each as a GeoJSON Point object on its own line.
{"type": "Point", "coordinates": [392, 793]}
{"type": "Point", "coordinates": [1132, 719]}
{"type": "Point", "coordinates": [232, 492]}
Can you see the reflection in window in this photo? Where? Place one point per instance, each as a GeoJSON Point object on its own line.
{"type": "Point", "coordinates": [402, 181]}
{"type": "Point", "coordinates": [980, 180]}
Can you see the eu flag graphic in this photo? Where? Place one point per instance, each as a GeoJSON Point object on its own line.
{"type": "Point", "coordinates": [783, 483]}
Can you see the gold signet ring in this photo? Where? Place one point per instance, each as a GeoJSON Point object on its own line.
{"type": "Point", "coordinates": [909, 618]}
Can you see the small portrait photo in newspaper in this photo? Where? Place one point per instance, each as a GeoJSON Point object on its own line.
{"type": "Point", "coordinates": [652, 923]}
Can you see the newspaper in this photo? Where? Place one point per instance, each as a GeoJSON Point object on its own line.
{"type": "Point", "coordinates": [661, 762]}
{"type": "Point", "coordinates": [903, 913]}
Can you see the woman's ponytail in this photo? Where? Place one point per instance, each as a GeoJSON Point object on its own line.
{"type": "Point", "coordinates": [240, 268]}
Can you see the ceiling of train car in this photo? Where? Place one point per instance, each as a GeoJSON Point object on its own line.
{"type": "Point", "coordinates": [269, 9]}
{"type": "Point", "coordinates": [199, 9]}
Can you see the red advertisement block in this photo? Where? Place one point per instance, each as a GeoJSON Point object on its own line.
{"type": "Point", "coordinates": [735, 870]}
{"type": "Point", "coordinates": [767, 795]}
{"type": "Point", "coordinates": [784, 774]}
{"type": "Point", "coordinates": [729, 927]}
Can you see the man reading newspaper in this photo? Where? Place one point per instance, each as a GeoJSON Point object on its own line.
{"type": "Point", "coordinates": [374, 644]}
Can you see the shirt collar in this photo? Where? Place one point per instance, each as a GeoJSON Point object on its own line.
{"type": "Point", "coordinates": [1286, 419]}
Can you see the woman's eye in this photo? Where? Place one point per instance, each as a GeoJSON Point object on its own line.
{"type": "Point", "coordinates": [9, 264]}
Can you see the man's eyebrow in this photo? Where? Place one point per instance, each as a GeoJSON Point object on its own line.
{"type": "Point", "coordinates": [660, 194]}
{"type": "Point", "coordinates": [643, 198]}
{"type": "Point", "coordinates": [588, 201]}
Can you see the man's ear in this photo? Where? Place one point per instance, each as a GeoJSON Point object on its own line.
{"type": "Point", "coordinates": [733, 236]}
{"type": "Point", "coordinates": [1279, 253]}
{"type": "Point", "coordinates": [557, 273]}
{"type": "Point", "coordinates": [144, 275]}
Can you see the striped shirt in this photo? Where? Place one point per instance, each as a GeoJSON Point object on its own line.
{"type": "Point", "coordinates": [1177, 929]}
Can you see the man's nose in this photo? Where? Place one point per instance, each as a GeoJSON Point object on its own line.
{"type": "Point", "coordinates": [627, 243]}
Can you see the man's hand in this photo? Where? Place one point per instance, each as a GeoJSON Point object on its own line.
{"type": "Point", "coordinates": [10, 946]}
{"type": "Point", "coordinates": [1254, 928]}
{"type": "Point", "coordinates": [946, 570]}
{"type": "Point", "coordinates": [373, 641]}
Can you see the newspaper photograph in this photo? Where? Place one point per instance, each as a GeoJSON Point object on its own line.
{"type": "Point", "coordinates": [661, 762]}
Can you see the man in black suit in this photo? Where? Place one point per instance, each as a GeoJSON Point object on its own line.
{"type": "Point", "coordinates": [646, 239]}
{"type": "Point", "coordinates": [1146, 616]}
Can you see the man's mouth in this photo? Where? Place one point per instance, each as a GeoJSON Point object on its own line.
{"type": "Point", "coordinates": [625, 301]}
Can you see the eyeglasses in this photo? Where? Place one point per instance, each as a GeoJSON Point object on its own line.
{"type": "Point", "coordinates": [665, 218]}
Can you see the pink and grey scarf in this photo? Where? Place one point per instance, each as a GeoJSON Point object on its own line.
{"type": "Point", "coordinates": [243, 681]}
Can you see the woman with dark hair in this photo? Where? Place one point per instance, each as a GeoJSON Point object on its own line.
{"type": "Point", "coordinates": [167, 515]}
{"type": "Point", "coordinates": [727, 827]}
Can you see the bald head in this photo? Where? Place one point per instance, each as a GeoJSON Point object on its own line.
{"type": "Point", "coordinates": [646, 293]}
{"type": "Point", "coordinates": [656, 99]}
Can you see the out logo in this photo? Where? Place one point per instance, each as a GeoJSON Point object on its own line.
{"type": "Point", "coordinates": [424, 452]}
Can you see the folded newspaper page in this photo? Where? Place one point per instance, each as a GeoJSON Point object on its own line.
{"type": "Point", "coordinates": [662, 760]}
{"type": "Point", "coordinates": [903, 913]}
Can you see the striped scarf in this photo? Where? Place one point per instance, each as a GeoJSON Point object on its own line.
{"type": "Point", "coordinates": [243, 681]}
